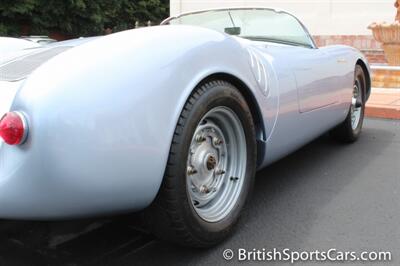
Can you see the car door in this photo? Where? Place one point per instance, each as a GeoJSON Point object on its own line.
{"type": "Point", "coordinates": [313, 68]}
{"type": "Point", "coordinates": [317, 83]}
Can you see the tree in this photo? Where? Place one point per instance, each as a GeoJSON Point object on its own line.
{"type": "Point", "coordinates": [13, 14]}
{"type": "Point", "coordinates": [76, 17]}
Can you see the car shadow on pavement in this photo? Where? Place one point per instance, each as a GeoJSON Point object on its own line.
{"type": "Point", "coordinates": [289, 198]}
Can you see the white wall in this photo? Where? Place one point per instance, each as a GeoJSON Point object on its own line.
{"type": "Point", "coordinates": [322, 17]}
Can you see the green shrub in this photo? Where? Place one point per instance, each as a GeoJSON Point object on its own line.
{"type": "Point", "coordinates": [76, 17]}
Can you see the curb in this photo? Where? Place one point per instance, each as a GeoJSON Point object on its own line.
{"type": "Point", "coordinates": [382, 111]}
{"type": "Point", "coordinates": [383, 103]}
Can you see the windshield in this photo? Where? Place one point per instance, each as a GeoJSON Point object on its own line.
{"type": "Point", "coordinates": [253, 24]}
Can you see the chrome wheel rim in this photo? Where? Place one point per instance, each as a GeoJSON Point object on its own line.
{"type": "Point", "coordinates": [356, 110]}
{"type": "Point", "coordinates": [216, 164]}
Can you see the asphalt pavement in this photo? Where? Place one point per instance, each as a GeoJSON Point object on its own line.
{"type": "Point", "coordinates": [326, 196]}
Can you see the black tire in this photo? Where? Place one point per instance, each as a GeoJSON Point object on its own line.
{"type": "Point", "coordinates": [171, 216]}
{"type": "Point", "coordinates": [345, 132]}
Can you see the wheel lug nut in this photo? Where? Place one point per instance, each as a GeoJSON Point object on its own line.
{"type": "Point", "coordinates": [217, 141]}
{"type": "Point", "coordinates": [200, 138]}
{"type": "Point", "coordinates": [204, 189]}
{"type": "Point", "coordinates": [191, 170]}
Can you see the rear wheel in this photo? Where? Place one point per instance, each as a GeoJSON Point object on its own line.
{"type": "Point", "coordinates": [210, 169]}
{"type": "Point", "coordinates": [350, 129]}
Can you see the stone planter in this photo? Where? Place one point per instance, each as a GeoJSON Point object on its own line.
{"type": "Point", "coordinates": [389, 36]}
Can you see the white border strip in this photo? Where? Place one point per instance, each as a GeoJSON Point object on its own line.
{"type": "Point", "coordinates": [394, 68]}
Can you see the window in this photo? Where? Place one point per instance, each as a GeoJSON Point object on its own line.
{"type": "Point", "coordinates": [253, 24]}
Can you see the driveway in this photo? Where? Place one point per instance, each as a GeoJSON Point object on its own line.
{"type": "Point", "coordinates": [326, 195]}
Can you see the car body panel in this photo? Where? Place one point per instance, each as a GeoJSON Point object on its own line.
{"type": "Point", "coordinates": [295, 126]}
{"type": "Point", "coordinates": [101, 120]}
{"type": "Point", "coordinates": [75, 149]}
{"type": "Point", "coordinates": [9, 45]}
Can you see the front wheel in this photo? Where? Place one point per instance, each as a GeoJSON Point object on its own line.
{"type": "Point", "coordinates": [350, 129]}
{"type": "Point", "coordinates": [210, 169]}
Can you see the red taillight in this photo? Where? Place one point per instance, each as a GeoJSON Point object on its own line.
{"type": "Point", "coordinates": [13, 128]}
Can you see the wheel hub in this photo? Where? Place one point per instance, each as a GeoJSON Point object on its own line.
{"type": "Point", "coordinates": [356, 105]}
{"type": "Point", "coordinates": [216, 154]}
{"type": "Point", "coordinates": [211, 162]}
{"type": "Point", "coordinates": [205, 158]}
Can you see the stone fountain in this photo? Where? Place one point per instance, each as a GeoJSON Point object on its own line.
{"type": "Point", "coordinates": [389, 35]}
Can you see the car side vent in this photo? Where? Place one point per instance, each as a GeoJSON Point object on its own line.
{"type": "Point", "coordinates": [22, 67]}
{"type": "Point", "coordinates": [259, 70]}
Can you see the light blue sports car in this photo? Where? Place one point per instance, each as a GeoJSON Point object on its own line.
{"type": "Point", "coordinates": [173, 120]}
